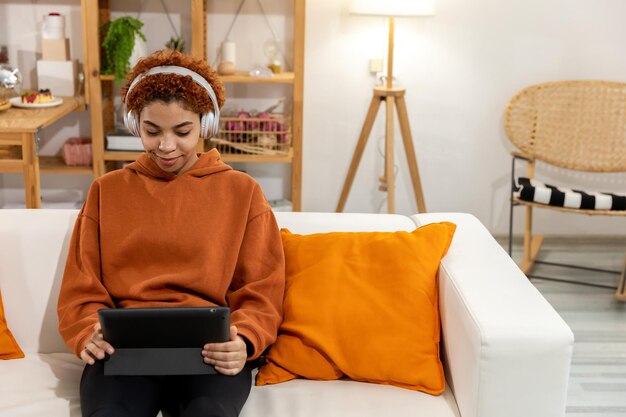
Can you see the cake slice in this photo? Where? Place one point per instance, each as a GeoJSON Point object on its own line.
{"type": "Point", "coordinates": [37, 97]}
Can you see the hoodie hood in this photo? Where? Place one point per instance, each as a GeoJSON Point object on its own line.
{"type": "Point", "coordinates": [208, 163]}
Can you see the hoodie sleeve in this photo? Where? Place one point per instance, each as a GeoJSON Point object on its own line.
{"type": "Point", "coordinates": [257, 290]}
{"type": "Point", "coordinates": [82, 293]}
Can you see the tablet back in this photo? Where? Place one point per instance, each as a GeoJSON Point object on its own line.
{"type": "Point", "coordinates": [162, 341]}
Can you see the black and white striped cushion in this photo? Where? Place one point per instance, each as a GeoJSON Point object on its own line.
{"type": "Point", "coordinates": [535, 191]}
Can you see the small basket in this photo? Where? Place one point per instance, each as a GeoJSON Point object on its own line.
{"type": "Point", "coordinates": [266, 135]}
{"type": "Point", "coordinates": [77, 152]}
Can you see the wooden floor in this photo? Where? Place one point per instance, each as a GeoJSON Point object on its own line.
{"type": "Point", "coordinates": [598, 374]}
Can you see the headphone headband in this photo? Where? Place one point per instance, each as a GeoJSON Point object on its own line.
{"type": "Point", "coordinates": [173, 69]}
{"type": "Point", "coordinates": [210, 119]}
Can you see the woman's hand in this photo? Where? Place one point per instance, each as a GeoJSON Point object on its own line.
{"type": "Point", "coordinates": [96, 347]}
{"type": "Point", "coordinates": [228, 358]}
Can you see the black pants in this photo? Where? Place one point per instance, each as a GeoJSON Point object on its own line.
{"type": "Point", "coordinates": [185, 396]}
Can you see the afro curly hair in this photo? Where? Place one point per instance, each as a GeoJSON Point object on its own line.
{"type": "Point", "coordinates": [172, 87]}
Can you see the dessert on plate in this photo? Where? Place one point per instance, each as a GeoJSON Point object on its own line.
{"type": "Point", "coordinates": [37, 97]}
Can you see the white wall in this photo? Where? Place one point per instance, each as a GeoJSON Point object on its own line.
{"type": "Point", "coordinates": [459, 67]}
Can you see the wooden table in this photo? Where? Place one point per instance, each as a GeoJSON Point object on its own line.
{"type": "Point", "coordinates": [19, 142]}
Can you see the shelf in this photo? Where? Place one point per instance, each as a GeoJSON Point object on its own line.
{"type": "Point", "coordinates": [131, 156]}
{"type": "Point", "coordinates": [243, 77]}
{"type": "Point", "coordinates": [121, 155]}
{"type": "Point", "coordinates": [257, 158]}
{"type": "Point", "coordinates": [55, 165]}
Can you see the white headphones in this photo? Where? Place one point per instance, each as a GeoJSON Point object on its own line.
{"type": "Point", "coordinates": [209, 122]}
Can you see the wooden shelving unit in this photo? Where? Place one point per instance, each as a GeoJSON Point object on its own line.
{"type": "Point", "coordinates": [100, 90]}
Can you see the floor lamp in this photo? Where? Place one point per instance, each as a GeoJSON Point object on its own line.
{"type": "Point", "coordinates": [394, 100]}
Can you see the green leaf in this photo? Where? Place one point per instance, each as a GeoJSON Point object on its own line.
{"type": "Point", "coordinates": [118, 44]}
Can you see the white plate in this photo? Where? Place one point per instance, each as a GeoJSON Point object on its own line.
{"type": "Point", "coordinates": [17, 102]}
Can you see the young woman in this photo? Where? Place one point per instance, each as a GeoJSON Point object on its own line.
{"type": "Point", "coordinates": [174, 228]}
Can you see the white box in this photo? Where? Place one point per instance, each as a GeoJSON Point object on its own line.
{"type": "Point", "coordinates": [58, 76]}
{"type": "Point", "coordinates": [122, 140]}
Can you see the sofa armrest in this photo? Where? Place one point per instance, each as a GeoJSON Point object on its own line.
{"type": "Point", "coordinates": [505, 349]}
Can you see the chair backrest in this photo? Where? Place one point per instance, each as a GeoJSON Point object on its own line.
{"type": "Point", "coordinates": [579, 125]}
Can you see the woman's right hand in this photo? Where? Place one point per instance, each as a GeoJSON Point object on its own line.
{"type": "Point", "coordinates": [96, 347]}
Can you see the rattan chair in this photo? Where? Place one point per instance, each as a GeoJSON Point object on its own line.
{"type": "Point", "coordinates": [575, 125]}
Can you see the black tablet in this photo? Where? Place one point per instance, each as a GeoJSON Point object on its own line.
{"type": "Point", "coordinates": [162, 341]}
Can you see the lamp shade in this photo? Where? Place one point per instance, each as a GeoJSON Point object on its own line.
{"type": "Point", "coordinates": [393, 7]}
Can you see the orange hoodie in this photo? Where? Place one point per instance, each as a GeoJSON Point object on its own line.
{"type": "Point", "coordinates": [148, 238]}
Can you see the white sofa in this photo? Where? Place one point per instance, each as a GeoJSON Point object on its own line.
{"type": "Point", "coordinates": [506, 352]}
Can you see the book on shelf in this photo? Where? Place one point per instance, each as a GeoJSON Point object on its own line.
{"type": "Point", "coordinates": [122, 140]}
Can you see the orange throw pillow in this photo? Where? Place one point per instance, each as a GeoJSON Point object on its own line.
{"type": "Point", "coordinates": [362, 305]}
{"type": "Point", "coordinates": [8, 346]}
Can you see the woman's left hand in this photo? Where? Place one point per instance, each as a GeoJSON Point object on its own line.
{"type": "Point", "coordinates": [228, 358]}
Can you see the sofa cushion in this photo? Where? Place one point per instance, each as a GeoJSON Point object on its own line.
{"type": "Point", "coordinates": [344, 398]}
{"type": "Point", "coordinates": [41, 385]}
{"type": "Point", "coordinates": [9, 349]}
{"type": "Point", "coordinates": [529, 189]}
{"type": "Point", "coordinates": [363, 305]}
{"type": "Point", "coordinates": [48, 385]}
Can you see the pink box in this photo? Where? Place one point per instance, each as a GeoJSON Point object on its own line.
{"type": "Point", "coordinates": [77, 151]}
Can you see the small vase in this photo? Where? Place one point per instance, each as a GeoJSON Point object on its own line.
{"type": "Point", "coordinates": [226, 68]}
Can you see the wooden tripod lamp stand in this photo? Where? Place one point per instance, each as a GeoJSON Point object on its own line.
{"type": "Point", "coordinates": [394, 99]}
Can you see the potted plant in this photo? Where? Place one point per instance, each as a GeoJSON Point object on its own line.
{"type": "Point", "coordinates": [176, 43]}
{"type": "Point", "coordinates": [119, 43]}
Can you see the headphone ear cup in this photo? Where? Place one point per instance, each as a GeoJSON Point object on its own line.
{"type": "Point", "coordinates": [215, 123]}
{"type": "Point", "coordinates": [204, 134]}
{"type": "Point", "coordinates": [207, 125]}
{"type": "Point", "coordinates": [131, 123]}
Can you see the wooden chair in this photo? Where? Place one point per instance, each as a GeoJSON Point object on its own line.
{"type": "Point", "coordinates": [575, 125]}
